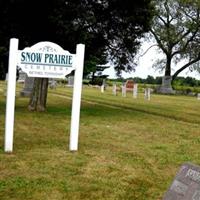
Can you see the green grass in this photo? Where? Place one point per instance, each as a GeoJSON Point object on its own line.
{"type": "Point", "coordinates": [128, 148]}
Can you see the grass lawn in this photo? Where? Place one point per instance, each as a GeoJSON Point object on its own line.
{"type": "Point", "coordinates": [128, 148]}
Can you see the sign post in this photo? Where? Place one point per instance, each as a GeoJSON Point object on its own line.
{"type": "Point", "coordinates": [76, 102]}
{"type": "Point", "coordinates": [44, 60]}
{"type": "Point", "coordinates": [10, 101]}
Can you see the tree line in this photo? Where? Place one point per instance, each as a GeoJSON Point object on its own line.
{"type": "Point", "coordinates": [179, 81]}
{"type": "Point", "coordinates": [111, 29]}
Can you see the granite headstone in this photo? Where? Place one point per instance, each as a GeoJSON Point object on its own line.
{"type": "Point", "coordinates": [22, 77]}
{"type": "Point", "coordinates": [28, 87]}
{"type": "Point", "coordinates": [186, 185]}
{"type": "Point", "coordinates": [129, 85]}
{"type": "Point", "coordinates": [70, 81]}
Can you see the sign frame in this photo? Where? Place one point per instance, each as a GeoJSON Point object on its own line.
{"type": "Point", "coordinates": [78, 65]}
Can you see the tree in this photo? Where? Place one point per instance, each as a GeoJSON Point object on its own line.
{"type": "Point", "coordinates": [150, 80]}
{"type": "Point", "coordinates": [176, 30]}
{"type": "Point", "coordinates": [111, 29]}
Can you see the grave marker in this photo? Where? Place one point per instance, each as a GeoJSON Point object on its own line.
{"type": "Point", "coordinates": [114, 89]}
{"type": "Point", "coordinates": [22, 77]}
{"type": "Point", "coordinates": [129, 85]}
{"type": "Point", "coordinates": [28, 87]}
{"type": "Point", "coordinates": [198, 96]}
{"type": "Point", "coordinates": [6, 79]}
{"type": "Point", "coordinates": [123, 90]}
{"type": "Point", "coordinates": [102, 88]}
{"type": "Point", "coordinates": [70, 81]}
{"type": "Point", "coordinates": [52, 84]}
{"type": "Point", "coordinates": [186, 185]}
{"type": "Point", "coordinates": [135, 90]}
{"type": "Point", "coordinates": [147, 93]}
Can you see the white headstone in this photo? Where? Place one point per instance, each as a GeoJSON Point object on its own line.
{"type": "Point", "coordinates": [135, 90]}
{"type": "Point", "coordinates": [147, 93]}
{"type": "Point", "coordinates": [114, 89]}
{"type": "Point", "coordinates": [22, 77]}
{"type": "Point", "coordinates": [70, 81]}
{"type": "Point", "coordinates": [52, 84]}
{"type": "Point", "coordinates": [198, 96]}
{"type": "Point", "coordinates": [102, 88]}
{"type": "Point", "coordinates": [123, 90]}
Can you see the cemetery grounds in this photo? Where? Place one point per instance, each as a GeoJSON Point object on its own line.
{"type": "Point", "coordinates": [128, 148]}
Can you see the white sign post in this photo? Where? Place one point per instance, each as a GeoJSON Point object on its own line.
{"type": "Point", "coordinates": [76, 103]}
{"type": "Point", "coordinates": [10, 101]}
{"type": "Point", "coordinates": [45, 60]}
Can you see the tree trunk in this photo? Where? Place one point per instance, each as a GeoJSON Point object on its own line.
{"type": "Point", "coordinates": [166, 87]}
{"type": "Point", "coordinates": [38, 97]}
{"type": "Point", "coordinates": [168, 66]}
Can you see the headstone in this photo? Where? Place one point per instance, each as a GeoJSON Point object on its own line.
{"type": "Point", "coordinates": [22, 77]}
{"type": "Point", "coordinates": [198, 96]}
{"type": "Point", "coordinates": [166, 87]}
{"type": "Point", "coordinates": [52, 84]}
{"type": "Point", "coordinates": [123, 90]}
{"type": "Point", "coordinates": [135, 90]}
{"type": "Point", "coordinates": [147, 93]}
{"type": "Point", "coordinates": [186, 185]}
{"type": "Point", "coordinates": [28, 87]}
{"type": "Point", "coordinates": [129, 85]}
{"type": "Point", "coordinates": [114, 89]}
{"type": "Point", "coordinates": [102, 88]}
{"type": "Point", "coordinates": [6, 77]}
{"type": "Point", "coordinates": [70, 81]}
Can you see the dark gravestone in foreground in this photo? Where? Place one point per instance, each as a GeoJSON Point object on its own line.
{"type": "Point", "coordinates": [186, 185]}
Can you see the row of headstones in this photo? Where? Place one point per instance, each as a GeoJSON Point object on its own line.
{"type": "Point", "coordinates": [28, 86]}
{"type": "Point", "coordinates": [147, 91]}
{"type": "Point", "coordinates": [29, 82]}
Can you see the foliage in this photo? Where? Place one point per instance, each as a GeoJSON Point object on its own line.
{"type": "Point", "coordinates": [176, 30]}
{"type": "Point", "coordinates": [110, 29]}
{"type": "Point", "coordinates": [188, 81]}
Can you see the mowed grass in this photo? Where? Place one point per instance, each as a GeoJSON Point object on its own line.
{"type": "Point", "coordinates": [128, 148]}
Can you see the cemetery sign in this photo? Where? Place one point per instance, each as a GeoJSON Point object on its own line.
{"type": "Point", "coordinates": [46, 59]}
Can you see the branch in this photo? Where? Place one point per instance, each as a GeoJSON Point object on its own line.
{"type": "Point", "coordinates": [158, 41]}
{"type": "Point", "coordinates": [185, 66]}
{"type": "Point", "coordinates": [147, 50]}
{"type": "Point", "coordinates": [187, 42]}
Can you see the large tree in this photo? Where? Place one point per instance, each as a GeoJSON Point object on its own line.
{"type": "Point", "coordinates": [111, 29]}
{"type": "Point", "coordinates": [176, 30]}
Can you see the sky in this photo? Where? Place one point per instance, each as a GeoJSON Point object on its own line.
{"type": "Point", "coordinates": [144, 67]}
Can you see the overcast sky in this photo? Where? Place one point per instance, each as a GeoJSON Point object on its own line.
{"type": "Point", "coordinates": [144, 67]}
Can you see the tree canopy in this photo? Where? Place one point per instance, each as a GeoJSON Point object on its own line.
{"type": "Point", "coordinates": [176, 30]}
{"type": "Point", "coordinates": [111, 29]}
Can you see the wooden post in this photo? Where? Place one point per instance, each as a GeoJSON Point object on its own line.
{"type": "Point", "coordinates": [76, 102]}
{"type": "Point", "coordinates": [10, 101]}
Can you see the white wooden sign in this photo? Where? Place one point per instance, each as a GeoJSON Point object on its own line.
{"type": "Point", "coordinates": [45, 60]}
